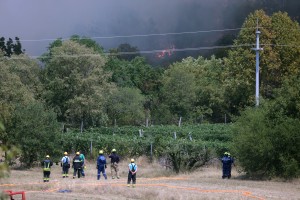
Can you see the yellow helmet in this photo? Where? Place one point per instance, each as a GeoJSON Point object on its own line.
{"type": "Point", "coordinates": [114, 150]}
{"type": "Point", "coordinates": [66, 153]}
{"type": "Point", "coordinates": [132, 160]}
{"type": "Point", "coordinates": [77, 153]}
{"type": "Point", "coordinates": [101, 152]}
{"type": "Point", "coordinates": [47, 156]}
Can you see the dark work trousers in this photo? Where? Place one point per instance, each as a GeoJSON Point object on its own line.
{"type": "Point", "coordinates": [226, 171]}
{"type": "Point", "coordinates": [65, 169]}
{"type": "Point", "coordinates": [131, 177]}
{"type": "Point", "coordinates": [46, 176]}
{"type": "Point", "coordinates": [101, 169]}
{"type": "Point", "coordinates": [78, 172]}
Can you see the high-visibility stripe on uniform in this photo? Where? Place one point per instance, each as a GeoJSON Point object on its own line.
{"type": "Point", "coordinates": [46, 166]}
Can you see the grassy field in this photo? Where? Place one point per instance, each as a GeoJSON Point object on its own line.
{"type": "Point", "coordinates": [153, 182]}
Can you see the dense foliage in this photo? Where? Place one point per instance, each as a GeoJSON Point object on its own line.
{"type": "Point", "coordinates": [125, 106]}
{"type": "Point", "coordinates": [280, 39]}
{"type": "Point", "coordinates": [267, 144]}
{"type": "Point", "coordinates": [9, 153]}
{"type": "Point", "coordinates": [10, 47]}
{"type": "Point", "coordinates": [75, 84]}
{"type": "Point", "coordinates": [79, 87]}
{"type": "Point", "coordinates": [270, 134]}
{"type": "Point", "coordinates": [35, 131]}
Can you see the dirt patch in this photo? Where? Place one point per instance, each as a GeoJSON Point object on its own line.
{"type": "Point", "coordinates": [153, 182]}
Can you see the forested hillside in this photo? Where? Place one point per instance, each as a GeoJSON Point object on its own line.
{"type": "Point", "coordinates": [75, 88]}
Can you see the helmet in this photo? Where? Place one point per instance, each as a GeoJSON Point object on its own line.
{"type": "Point", "coordinates": [114, 150]}
{"type": "Point", "coordinates": [132, 160]}
{"type": "Point", "coordinates": [47, 156]}
{"type": "Point", "coordinates": [66, 153]}
{"type": "Point", "coordinates": [226, 153]}
{"type": "Point", "coordinates": [101, 152]}
{"type": "Point", "coordinates": [77, 153]}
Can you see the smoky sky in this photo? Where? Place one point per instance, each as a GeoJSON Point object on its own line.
{"type": "Point", "coordinates": [40, 21]}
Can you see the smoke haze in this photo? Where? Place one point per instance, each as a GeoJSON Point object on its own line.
{"type": "Point", "coordinates": [38, 21]}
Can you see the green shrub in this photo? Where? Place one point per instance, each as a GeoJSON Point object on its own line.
{"type": "Point", "coordinates": [266, 143]}
{"type": "Point", "coordinates": [185, 155]}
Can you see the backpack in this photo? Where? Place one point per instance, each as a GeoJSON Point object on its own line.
{"type": "Point", "coordinates": [66, 163]}
{"type": "Point", "coordinates": [133, 167]}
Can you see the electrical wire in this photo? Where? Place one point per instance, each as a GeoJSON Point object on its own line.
{"type": "Point", "coordinates": [149, 35]}
{"type": "Point", "coordinates": [143, 35]}
{"type": "Point", "coordinates": [158, 34]}
{"type": "Point", "coordinates": [159, 51]}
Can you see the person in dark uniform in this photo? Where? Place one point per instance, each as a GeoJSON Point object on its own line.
{"type": "Point", "coordinates": [114, 163]}
{"type": "Point", "coordinates": [77, 165]}
{"type": "Point", "coordinates": [101, 165]}
{"type": "Point", "coordinates": [46, 164]}
{"type": "Point", "coordinates": [227, 162]}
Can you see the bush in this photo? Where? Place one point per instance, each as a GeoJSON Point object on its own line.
{"type": "Point", "coordinates": [266, 143]}
{"type": "Point", "coordinates": [35, 131]}
{"type": "Point", "coordinates": [185, 155]}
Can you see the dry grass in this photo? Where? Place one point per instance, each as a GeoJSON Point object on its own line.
{"type": "Point", "coordinates": [153, 182]}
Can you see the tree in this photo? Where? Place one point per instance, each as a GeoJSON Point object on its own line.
{"type": "Point", "coordinates": [75, 84]}
{"type": "Point", "coordinates": [135, 73]}
{"type": "Point", "coordinates": [267, 143]}
{"type": "Point", "coordinates": [179, 91]}
{"type": "Point", "coordinates": [287, 97]}
{"type": "Point", "coordinates": [125, 106]}
{"type": "Point", "coordinates": [18, 86]}
{"type": "Point", "coordinates": [10, 152]}
{"type": "Point", "coordinates": [279, 59]}
{"type": "Point", "coordinates": [10, 48]}
{"type": "Point", "coordinates": [84, 41]}
{"type": "Point", "coordinates": [125, 52]}
{"type": "Point", "coordinates": [193, 88]}
{"type": "Point", "coordinates": [139, 75]}
{"type": "Point", "coordinates": [35, 130]}
{"type": "Point", "coordinates": [88, 42]}
{"type": "Point", "coordinates": [209, 83]}
{"type": "Point", "coordinates": [28, 71]}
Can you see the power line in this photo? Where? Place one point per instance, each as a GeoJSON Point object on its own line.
{"type": "Point", "coordinates": [142, 35]}
{"type": "Point", "coordinates": [148, 35]}
{"type": "Point", "coordinates": [140, 52]}
{"type": "Point", "coordinates": [161, 51]}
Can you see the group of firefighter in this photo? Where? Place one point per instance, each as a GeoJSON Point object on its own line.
{"type": "Point", "coordinates": [78, 164]}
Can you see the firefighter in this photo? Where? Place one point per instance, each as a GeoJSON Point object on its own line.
{"type": "Point", "coordinates": [77, 165]}
{"type": "Point", "coordinates": [65, 164]}
{"type": "Point", "coordinates": [46, 164]}
{"type": "Point", "coordinates": [101, 165]}
{"type": "Point", "coordinates": [114, 163]}
{"type": "Point", "coordinates": [132, 173]}
{"type": "Point", "coordinates": [227, 162]}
